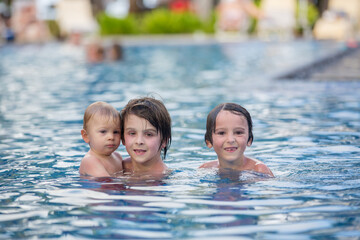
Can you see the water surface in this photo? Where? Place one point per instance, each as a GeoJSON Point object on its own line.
{"type": "Point", "coordinates": [306, 132]}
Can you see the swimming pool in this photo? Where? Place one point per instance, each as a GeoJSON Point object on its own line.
{"type": "Point", "coordinates": [307, 132]}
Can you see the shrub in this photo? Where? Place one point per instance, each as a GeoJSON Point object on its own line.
{"type": "Point", "coordinates": [209, 25]}
{"type": "Point", "coordinates": [114, 26]}
{"type": "Point", "coordinates": [312, 15]}
{"type": "Point", "coordinates": [164, 21]}
{"type": "Point", "coordinates": [159, 21]}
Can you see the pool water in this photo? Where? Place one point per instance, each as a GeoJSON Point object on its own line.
{"type": "Point", "coordinates": [307, 132]}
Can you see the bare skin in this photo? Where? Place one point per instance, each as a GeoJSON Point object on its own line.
{"type": "Point", "coordinates": [101, 167]}
{"type": "Point", "coordinates": [156, 171]}
{"type": "Point", "coordinates": [249, 164]}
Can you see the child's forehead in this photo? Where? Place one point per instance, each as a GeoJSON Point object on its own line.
{"type": "Point", "coordinates": [228, 113]}
{"type": "Point", "coordinates": [133, 119]}
{"type": "Point", "coordinates": [102, 118]}
{"type": "Point", "coordinates": [225, 116]}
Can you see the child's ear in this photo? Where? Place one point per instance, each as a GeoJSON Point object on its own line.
{"type": "Point", "coordinates": [85, 136]}
{"type": "Point", "coordinates": [209, 144]}
{"type": "Point", "coordinates": [163, 145]}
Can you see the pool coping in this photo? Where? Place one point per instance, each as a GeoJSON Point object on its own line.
{"type": "Point", "coordinates": [324, 63]}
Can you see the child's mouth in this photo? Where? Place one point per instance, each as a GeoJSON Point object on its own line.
{"type": "Point", "coordinates": [139, 151]}
{"type": "Point", "coordinates": [230, 149]}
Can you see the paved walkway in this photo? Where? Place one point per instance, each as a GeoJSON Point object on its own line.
{"type": "Point", "coordinates": [343, 66]}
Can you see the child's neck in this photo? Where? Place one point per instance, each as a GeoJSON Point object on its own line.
{"type": "Point", "coordinates": [236, 165]}
{"type": "Point", "coordinates": [101, 157]}
{"type": "Point", "coordinates": [154, 166]}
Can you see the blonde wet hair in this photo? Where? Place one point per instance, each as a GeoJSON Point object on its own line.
{"type": "Point", "coordinates": [101, 109]}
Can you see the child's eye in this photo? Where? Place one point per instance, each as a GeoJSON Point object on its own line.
{"type": "Point", "coordinates": [116, 132]}
{"type": "Point", "coordinates": [238, 132]}
{"type": "Point", "coordinates": [102, 131]}
{"type": "Point", "coordinates": [220, 133]}
{"type": "Point", "coordinates": [131, 133]}
{"type": "Point", "coordinates": [149, 134]}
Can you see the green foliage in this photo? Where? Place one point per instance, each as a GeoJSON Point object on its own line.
{"type": "Point", "coordinates": [254, 21]}
{"type": "Point", "coordinates": [312, 14]}
{"type": "Point", "coordinates": [257, 3]}
{"type": "Point", "coordinates": [113, 26]}
{"type": "Point", "coordinates": [159, 21]}
{"type": "Point", "coordinates": [54, 28]}
{"type": "Point", "coordinates": [209, 25]}
{"type": "Point", "coordinates": [165, 21]}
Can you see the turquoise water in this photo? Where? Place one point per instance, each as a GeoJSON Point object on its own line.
{"type": "Point", "coordinates": [307, 132]}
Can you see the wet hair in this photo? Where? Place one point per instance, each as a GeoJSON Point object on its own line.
{"type": "Point", "coordinates": [115, 52]}
{"type": "Point", "coordinates": [101, 109]}
{"type": "Point", "coordinates": [155, 112]}
{"type": "Point", "coordinates": [233, 108]}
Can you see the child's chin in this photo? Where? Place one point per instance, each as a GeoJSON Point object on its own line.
{"type": "Point", "coordinates": [230, 160]}
{"type": "Point", "coordinates": [107, 153]}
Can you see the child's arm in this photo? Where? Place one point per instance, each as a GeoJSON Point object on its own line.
{"type": "Point", "coordinates": [91, 166]}
{"type": "Point", "coordinates": [118, 163]}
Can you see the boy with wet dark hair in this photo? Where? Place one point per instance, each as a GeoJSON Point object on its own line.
{"type": "Point", "coordinates": [229, 132]}
{"type": "Point", "coordinates": [145, 132]}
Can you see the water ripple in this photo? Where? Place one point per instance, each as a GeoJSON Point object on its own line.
{"type": "Point", "coordinates": [306, 132]}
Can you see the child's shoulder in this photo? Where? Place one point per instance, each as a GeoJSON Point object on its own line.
{"type": "Point", "coordinates": [210, 164]}
{"type": "Point", "coordinates": [92, 166]}
{"type": "Point", "coordinates": [259, 166]}
{"type": "Point", "coordinates": [89, 159]}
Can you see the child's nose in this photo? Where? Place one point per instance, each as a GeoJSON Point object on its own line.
{"type": "Point", "coordinates": [139, 139]}
{"type": "Point", "coordinates": [110, 135]}
{"type": "Point", "coordinates": [231, 137]}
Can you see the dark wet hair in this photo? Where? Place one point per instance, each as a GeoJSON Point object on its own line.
{"type": "Point", "coordinates": [153, 111]}
{"type": "Point", "coordinates": [101, 108]}
{"type": "Point", "coordinates": [231, 107]}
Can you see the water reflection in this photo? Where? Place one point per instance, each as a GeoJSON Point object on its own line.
{"type": "Point", "coordinates": [219, 199]}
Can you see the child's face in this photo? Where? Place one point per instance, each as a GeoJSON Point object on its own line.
{"type": "Point", "coordinates": [142, 140]}
{"type": "Point", "coordinates": [230, 138]}
{"type": "Point", "coordinates": [103, 135]}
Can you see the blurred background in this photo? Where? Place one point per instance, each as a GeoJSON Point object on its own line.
{"type": "Point", "coordinates": [28, 21]}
